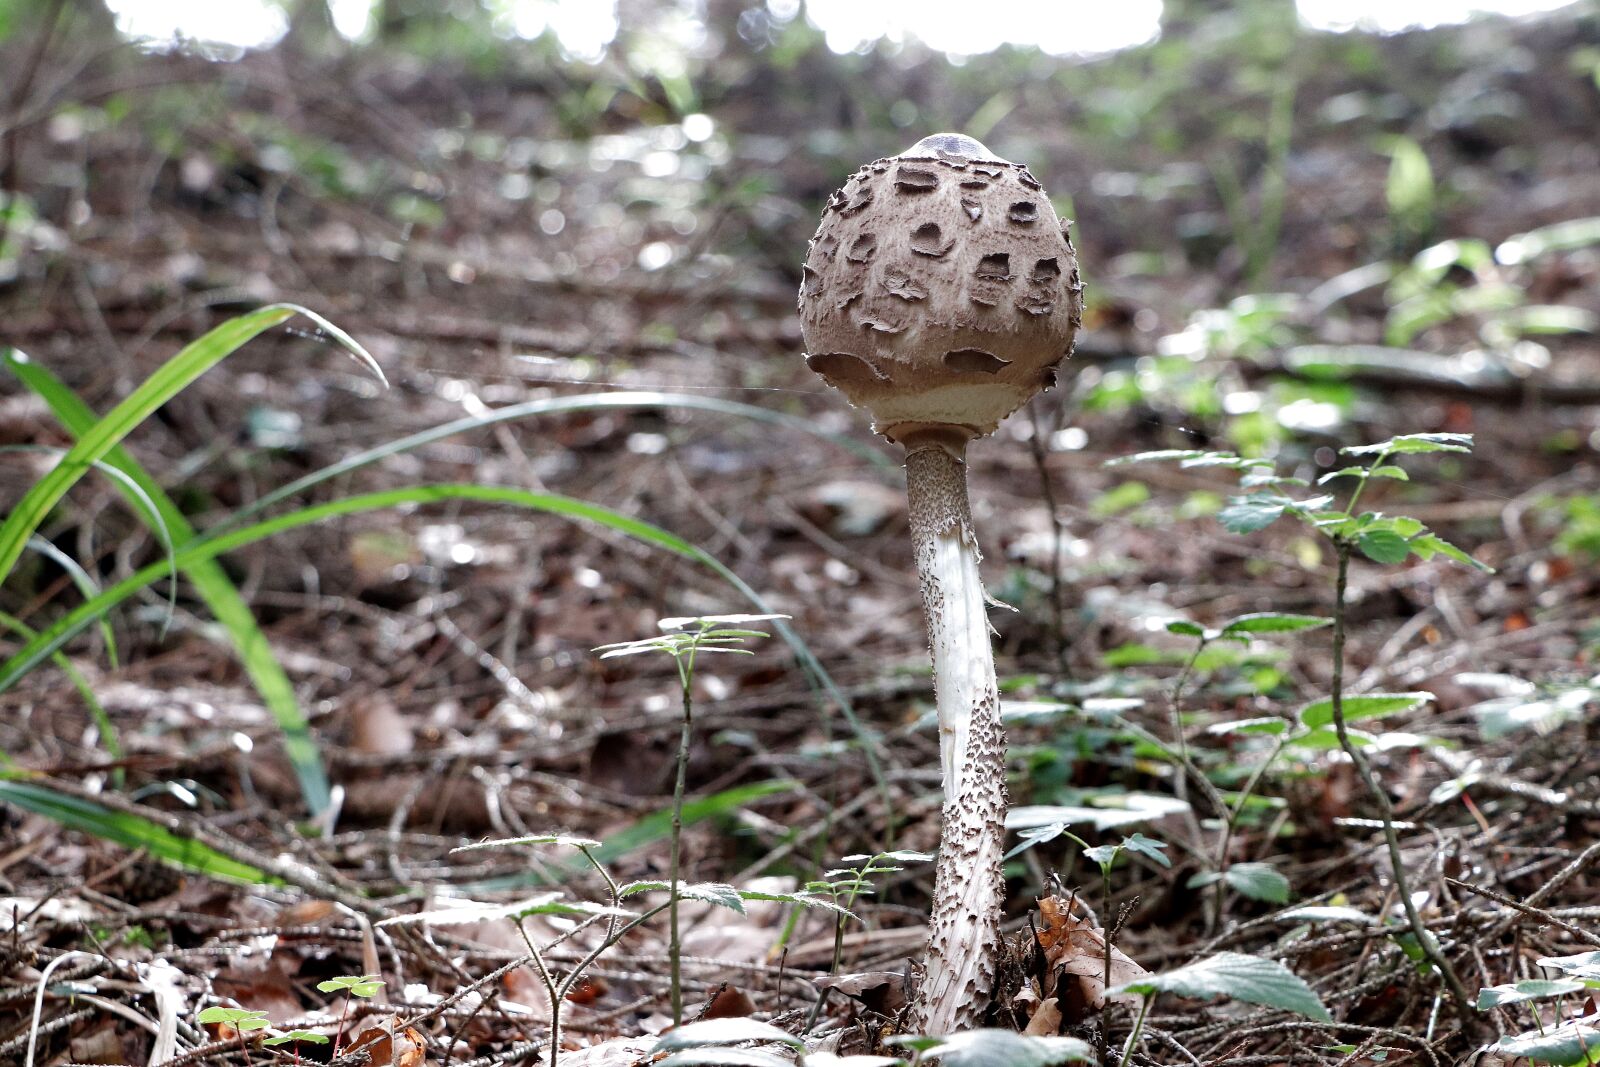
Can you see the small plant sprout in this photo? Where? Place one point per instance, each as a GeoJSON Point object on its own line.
{"type": "Point", "coordinates": [241, 1021]}
{"type": "Point", "coordinates": [941, 293]}
{"type": "Point", "coordinates": [684, 640]}
{"type": "Point", "coordinates": [365, 986]}
{"type": "Point", "coordinates": [1386, 539]}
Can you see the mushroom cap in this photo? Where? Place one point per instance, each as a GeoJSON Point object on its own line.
{"type": "Point", "coordinates": [940, 290]}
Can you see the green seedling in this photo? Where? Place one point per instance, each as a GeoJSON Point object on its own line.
{"type": "Point", "coordinates": [684, 640]}
{"type": "Point", "coordinates": [365, 986]}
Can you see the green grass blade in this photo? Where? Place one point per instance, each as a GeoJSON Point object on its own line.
{"type": "Point", "coordinates": [211, 583]}
{"type": "Point", "coordinates": [168, 380]}
{"type": "Point", "coordinates": [129, 830]}
{"type": "Point", "coordinates": [87, 586]}
{"type": "Point", "coordinates": [210, 546]}
{"type": "Point", "coordinates": [623, 401]}
{"type": "Point", "coordinates": [97, 711]}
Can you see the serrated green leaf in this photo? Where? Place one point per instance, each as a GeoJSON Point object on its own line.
{"type": "Point", "coordinates": [1363, 706]}
{"type": "Point", "coordinates": [718, 893]}
{"type": "Point", "coordinates": [1429, 545]}
{"type": "Point", "coordinates": [1233, 974]}
{"type": "Point", "coordinates": [1258, 881]}
{"type": "Point", "coordinates": [1414, 443]}
{"type": "Point", "coordinates": [1383, 546]}
{"type": "Point", "coordinates": [1248, 514]}
{"type": "Point", "coordinates": [805, 900]}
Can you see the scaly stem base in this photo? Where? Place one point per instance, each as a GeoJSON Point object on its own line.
{"type": "Point", "coordinates": [969, 892]}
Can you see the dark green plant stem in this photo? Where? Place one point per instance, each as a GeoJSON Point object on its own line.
{"type": "Point", "coordinates": [1429, 944]}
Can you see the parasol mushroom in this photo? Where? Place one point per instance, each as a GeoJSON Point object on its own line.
{"type": "Point", "coordinates": [941, 293]}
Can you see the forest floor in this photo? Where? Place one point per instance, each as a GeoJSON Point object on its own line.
{"type": "Point", "coordinates": [505, 237]}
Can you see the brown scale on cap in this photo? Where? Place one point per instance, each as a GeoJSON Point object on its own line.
{"type": "Point", "coordinates": [941, 290]}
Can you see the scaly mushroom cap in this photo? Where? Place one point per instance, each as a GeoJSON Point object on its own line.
{"type": "Point", "coordinates": [941, 290]}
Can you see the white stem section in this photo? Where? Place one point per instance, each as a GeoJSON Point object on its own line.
{"type": "Point", "coordinates": [969, 893]}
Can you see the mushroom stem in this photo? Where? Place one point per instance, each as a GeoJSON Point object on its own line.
{"type": "Point", "coordinates": [969, 892]}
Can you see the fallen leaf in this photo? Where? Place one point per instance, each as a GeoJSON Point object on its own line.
{"type": "Point", "coordinates": [1076, 950]}
{"type": "Point", "coordinates": [390, 1043]}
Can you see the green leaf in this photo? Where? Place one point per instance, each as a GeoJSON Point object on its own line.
{"type": "Point", "coordinates": [724, 1032]}
{"type": "Point", "coordinates": [1258, 881]}
{"type": "Point", "coordinates": [1584, 964]}
{"type": "Point", "coordinates": [805, 900]}
{"type": "Point", "coordinates": [718, 893]}
{"type": "Point", "coordinates": [1185, 628]}
{"type": "Point", "coordinates": [1248, 514]}
{"type": "Point", "coordinates": [1148, 847]}
{"type": "Point", "coordinates": [1386, 471]}
{"type": "Point", "coordinates": [1267, 622]}
{"type": "Point", "coordinates": [1499, 996]}
{"type": "Point", "coordinates": [1363, 706]}
{"type": "Point", "coordinates": [1569, 1045]}
{"type": "Point", "coordinates": [1004, 1048]}
{"type": "Point", "coordinates": [132, 831]}
{"type": "Point", "coordinates": [1265, 725]}
{"type": "Point", "coordinates": [1383, 546]}
{"type": "Point", "coordinates": [1327, 738]}
{"type": "Point", "coordinates": [241, 1019]}
{"type": "Point", "coordinates": [1414, 443]}
{"type": "Point", "coordinates": [1232, 974]}
{"type": "Point", "coordinates": [357, 985]}
{"type": "Point", "coordinates": [296, 1036]}
{"type": "Point", "coordinates": [1429, 545]}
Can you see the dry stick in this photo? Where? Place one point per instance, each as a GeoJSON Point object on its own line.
{"type": "Point", "coordinates": [1430, 944]}
{"type": "Point", "coordinates": [1535, 913]}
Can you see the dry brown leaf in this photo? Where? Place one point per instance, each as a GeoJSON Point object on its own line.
{"type": "Point", "coordinates": [390, 1043]}
{"type": "Point", "coordinates": [881, 991]}
{"type": "Point", "coordinates": [728, 1002]}
{"type": "Point", "coordinates": [1073, 947]}
{"type": "Point", "coordinates": [1045, 1021]}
